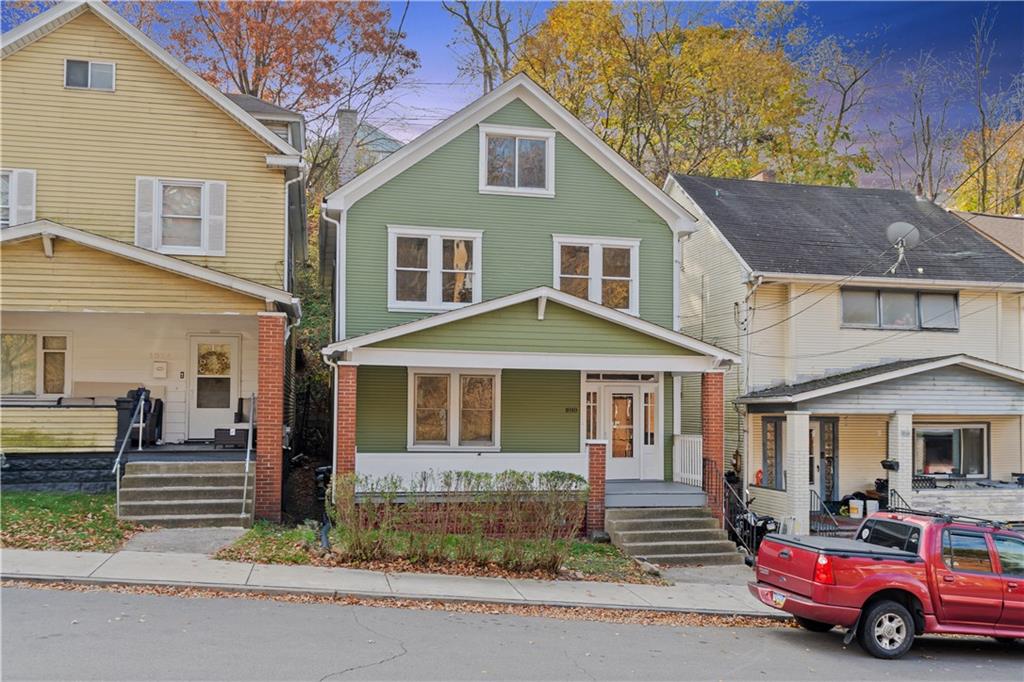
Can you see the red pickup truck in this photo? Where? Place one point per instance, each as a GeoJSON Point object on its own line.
{"type": "Point", "coordinates": [903, 575]}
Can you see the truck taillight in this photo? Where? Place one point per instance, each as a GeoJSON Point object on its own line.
{"type": "Point", "coordinates": [823, 570]}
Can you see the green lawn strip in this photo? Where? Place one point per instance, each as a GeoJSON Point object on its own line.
{"type": "Point", "coordinates": [76, 522]}
{"type": "Point", "coordinates": [268, 543]}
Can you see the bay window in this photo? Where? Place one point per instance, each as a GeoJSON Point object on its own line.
{"type": "Point", "coordinates": [454, 410]}
{"type": "Point", "coordinates": [600, 269]}
{"type": "Point", "coordinates": [432, 268]}
{"type": "Point", "coordinates": [899, 309]}
{"type": "Point", "coordinates": [33, 365]}
{"type": "Point", "coordinates": [517, 160]}
{"type": "Point", "coordinates": [951, 449]}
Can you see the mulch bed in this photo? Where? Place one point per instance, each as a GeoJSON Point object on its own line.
{"type": "Point", "coordinates": [631, 617]}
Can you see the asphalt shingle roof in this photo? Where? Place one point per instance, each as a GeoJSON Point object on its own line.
{"type": "Point", "coordinates": [257, 106]}
{"type": "Point", "coordinates": [840, 231]}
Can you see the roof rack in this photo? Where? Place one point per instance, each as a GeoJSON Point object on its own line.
{"type": "Point", "coordinates": [949, 518]}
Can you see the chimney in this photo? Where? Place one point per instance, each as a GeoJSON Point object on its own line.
{"type": "Point", "coordinates": [348, 123]}
{"type": "Point", "coordinates": [764, 175]}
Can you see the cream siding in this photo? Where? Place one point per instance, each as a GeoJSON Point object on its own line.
{"type": "Point", "coordinates": [768, 336]}
{"type": "Point", "coordinates": [57, 429]}
{"type": "Point", "coordinates": [87, 147]}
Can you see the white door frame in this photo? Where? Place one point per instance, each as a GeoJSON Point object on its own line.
{"type": "Point", "coordinates": [190, 391]}
{"type": "Point", "coordinates": [650, 458]}
{"type": "Point", "coordinates": [814, 454]}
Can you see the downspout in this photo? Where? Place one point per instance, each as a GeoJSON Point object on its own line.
{"type": "Point", "coordinates": [334, 421]}
{"type": "Point", "coordinates": [287, 230]}
{"type": "Point", "coordinates": [339, 274]}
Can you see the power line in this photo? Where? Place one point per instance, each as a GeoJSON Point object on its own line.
{"type": "Point", "coordinates": [987, 159]}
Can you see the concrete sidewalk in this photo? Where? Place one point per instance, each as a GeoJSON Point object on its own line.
{"type": "Point", "coordinates": [166, 568]}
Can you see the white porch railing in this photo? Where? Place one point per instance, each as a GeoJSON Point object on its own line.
{"type": "Point", "coordinates": [688, 460]}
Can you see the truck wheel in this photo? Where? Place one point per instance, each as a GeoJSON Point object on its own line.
{"type": "Point", "coordinates": [1006, 640]}
{"type": "Point", "coordinates": [886, 630]}
{"type": "Point", "coordinates": [813, 625]}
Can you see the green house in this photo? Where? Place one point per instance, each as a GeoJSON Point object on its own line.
{"type": "Point", "coordinates": [507, 298]}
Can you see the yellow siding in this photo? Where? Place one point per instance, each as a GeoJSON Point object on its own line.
{"type": "Point", "coordinates": [87, 147]}
{"type": "Point", "coordinates": [771, 306]}
{"type": "Point", "coordinates": [57, 429]}
{"type": "Point", "coordinates": [863, 444]}
{"type": "Point", "coordinates": [79, 279]}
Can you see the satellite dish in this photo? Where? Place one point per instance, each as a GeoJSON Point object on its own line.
{"type": "Point", "coordinates": [903, 236]}
{"type": "Point", "coordinates": [903, 233]}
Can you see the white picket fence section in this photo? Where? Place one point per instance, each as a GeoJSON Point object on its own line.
{"type": "Point", "coordinates": [688, 460]}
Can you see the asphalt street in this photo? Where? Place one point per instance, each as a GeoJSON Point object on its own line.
{"type": "Point", "coordinates": [57, 635]}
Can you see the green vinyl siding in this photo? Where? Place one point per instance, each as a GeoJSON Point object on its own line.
{"type": "Point", "coordinates": [539, 410]}
{"type": "Point", "coordinates": [381, 399]}
{"type": "Point", "coordinates": [517, 329]}
{"type": "Point", "coordinates": [442, 190]}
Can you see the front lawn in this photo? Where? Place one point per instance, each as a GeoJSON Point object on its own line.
{"type": "Point", "coordinates": [75, 522]}
{"type": "Point", "coordinates": [270, 544]}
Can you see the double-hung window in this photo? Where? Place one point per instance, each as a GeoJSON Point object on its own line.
{"type": "Point", "coordinates": [17, 196]}
{"type": "Point", "coordinates": [433, 268]}
{"type": "Point", "coordinates": [34, 365]}
{"type": "Point", "coordinates": [89, 75]}
{"type": "Point", "coordinates": [951, 450]}
{"type": "Point", "coordinates": [517, 160]}
{"type": "Point", "coordinates": [600, 269]}
{"type": "Point", "coordinates": [180, 216]}
{"type": "Point", "coordinates": [900, 309]}
{"type": "Point", "coordinates": [454, 410]}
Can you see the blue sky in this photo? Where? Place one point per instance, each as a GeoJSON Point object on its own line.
{"type": "Point", "coordinates": [902, 28]}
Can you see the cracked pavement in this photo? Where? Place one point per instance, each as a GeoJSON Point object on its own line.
{"type": "Point", "coordinates": [59, 635]}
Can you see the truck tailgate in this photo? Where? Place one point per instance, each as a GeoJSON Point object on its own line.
{"type": "Point", "coordinates": [786, 566]}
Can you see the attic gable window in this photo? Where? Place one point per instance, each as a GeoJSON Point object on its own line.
{"type": "Point", "coordinates": [517, 160]}
{"type": "Point", "coordinates": [89, 75]}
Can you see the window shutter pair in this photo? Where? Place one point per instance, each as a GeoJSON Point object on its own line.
{"type": "Point", "coordinates": [22, 196]}
{"type": "Point", "coordinates": [147, 213]}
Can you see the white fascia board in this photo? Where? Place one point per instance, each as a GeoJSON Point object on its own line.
{"type": "Point", "coordinates": [585, 362]}
{"type": "Point", "coordinates": [883, 282]}
{"type": "Point", "coordinates": [703, 221]}
{"type": "Point", "coordinates": [721, 355]}
{"type": "Point", "coordinates": [49, 21]}
{"type": "Point", "coordinates": [971, 362]}
{"type": "Point", "coordinates": [521, 87]}
{"type": "Point", "coordinates": [40, 228]}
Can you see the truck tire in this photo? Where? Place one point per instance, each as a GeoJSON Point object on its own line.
{"type": "Point", "coordinates": [886, 629]}
{"type": "Point", "coordinates": [1006, 640]}
{"type": "Point", "coordinates": [813, 625]}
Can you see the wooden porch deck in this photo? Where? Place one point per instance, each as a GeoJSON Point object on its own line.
{"type": "Point", "coordinates": [636, 493]}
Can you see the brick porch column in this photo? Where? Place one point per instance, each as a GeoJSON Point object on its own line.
{"type": "Point", "coordinates": [270, 416]}
{"type": "Point", "coordinates": [712, 429]}
{"type": "Point", "coordinates": [596, 453]}
{"type": "Point", "coordinates": [345, 381]}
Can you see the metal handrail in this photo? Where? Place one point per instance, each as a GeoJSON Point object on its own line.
{"type": "Point", "coordinates": [248, 450]}
{"type": "Point", "coordinates": [746, 543]}
{"type": "Point", "coordinates": [124, 441]}
{"type": "Point", "coordinates": [896, 500]}
{"type": "Point", "coordinates": [818, 506]}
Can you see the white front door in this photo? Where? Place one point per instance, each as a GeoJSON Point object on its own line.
{"type": "Point", "coordinates": [814, 457]}
{"type": "Point", "coordinates": [213, 384]}
{"type": "Point", "coordinates": [622, 414]}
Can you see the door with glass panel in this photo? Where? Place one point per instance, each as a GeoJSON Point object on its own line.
{"type": "Point", "coordinates": [213, 384]}
{"type": "Point", "coordinates": [622, 413]}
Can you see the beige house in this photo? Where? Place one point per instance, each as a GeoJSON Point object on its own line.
{"type": "Point", "coordinates": [149, 227]}
{"type": "Point", "coordinates": [853, 354]}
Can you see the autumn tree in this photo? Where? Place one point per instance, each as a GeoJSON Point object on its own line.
{"type": "Point", "coordinates": [314, 57]}
{"type": "Point", "coordinates": [487, 37]}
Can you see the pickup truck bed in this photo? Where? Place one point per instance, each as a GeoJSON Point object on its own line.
{"type": "Point", "coordinates": [843, 547]}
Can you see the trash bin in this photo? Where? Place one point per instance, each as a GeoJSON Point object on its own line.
{"type": "Point", "coordinates": [125, 411]}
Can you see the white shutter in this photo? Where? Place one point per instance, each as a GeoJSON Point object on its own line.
{"type": "Point", "coordinates": [145, 212]}
{"type": "Point", "coordinates": [23, 196]}
{"type": "Point", "coordinates": [216, 217]}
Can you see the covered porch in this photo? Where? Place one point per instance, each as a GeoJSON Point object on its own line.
{"type": "Point", "coordinates": [936, 434]}
{"type": "Point", "coordinates": [88, 320]}
{"type": "Point", "coordinates": [537, 381]}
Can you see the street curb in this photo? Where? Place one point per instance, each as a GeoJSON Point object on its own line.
{"type": "Point", "coordinates": [377, 596]}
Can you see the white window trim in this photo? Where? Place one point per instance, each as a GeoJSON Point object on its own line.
{"type": "Point", "coordinates": [596, 244]}
{"type": "Point", "coordinates": [545, 134]}
{"type": "Point", "coordinates": [955, 426]}
{"type": "Point", "coordinates": [15, 176]}
{"type": "Point", "coordinates": [90, 62]}
{"type": "Point", "coordinates": [39, 394]}
{"type": "Point", "coordinates": [434, 236]}
{"type": "Point", "coordinates": [11, 218]}
{"type": "Point", "coordinates": [204, 223]}
{"type": "Point", "coordinates": [454, 410]}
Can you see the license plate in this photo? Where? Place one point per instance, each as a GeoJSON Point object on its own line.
{"type": "Point", "coordinates": [778, 600]}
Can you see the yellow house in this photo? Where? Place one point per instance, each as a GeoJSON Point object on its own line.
{"type": "Point", "coordinates": [149, 226]}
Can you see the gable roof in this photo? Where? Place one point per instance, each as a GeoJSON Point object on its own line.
{"type": "Point", "coordinates": [40, 26]}
{"type": "Point", "coordinates": [1005, 230]}
{"type": "Point", "coordinates": [838, 231]}
{"type": "Point", "coordinates": [844, 381]}
{"type": "Point", "coordinates": [537, 293]}
{"type": "Point", "coordinates": [261, 107]}
{"type": "Point", "coordinates": [49, 229]}
{"type": "Point", "coordinates": [518, 87]}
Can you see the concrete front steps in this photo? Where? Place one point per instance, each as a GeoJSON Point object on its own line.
{"type": "Point", "coordinates": [186, 494]}
{"type": "Point", "coordinates": [673, 536]}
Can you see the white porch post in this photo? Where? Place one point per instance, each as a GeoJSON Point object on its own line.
{"type": "Point", "coordinates": [901, 449]}
{"type": "Point", "coordinates": [798, 492]}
